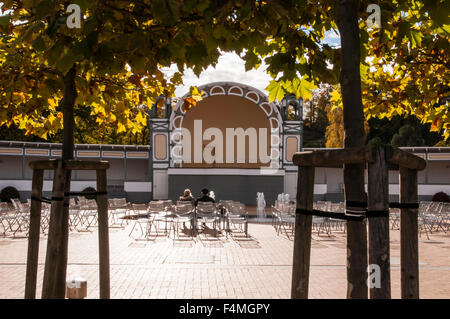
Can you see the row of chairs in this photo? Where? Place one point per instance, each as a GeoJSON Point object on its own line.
{"type": "Point", "coordinates": [433, 217]}
{"type": "Point", "coordinates": [283, 218]}
{"type": "Point", "coordinates": [83, 216]}
{"type": "Point", "coordinates": [14, 218]}
{"type": "Point", "coordinates": [183, 218]}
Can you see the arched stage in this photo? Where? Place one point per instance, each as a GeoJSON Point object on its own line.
{"type": "Point", "coordinates": [233, 142]}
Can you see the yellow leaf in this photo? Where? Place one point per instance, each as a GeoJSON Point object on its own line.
{"type": "Point", "coordinates": [51, 118]}
{"type": "Point", "coordinates": [121, 128]}
{"type": "Point", "coordinates": [141, 119]}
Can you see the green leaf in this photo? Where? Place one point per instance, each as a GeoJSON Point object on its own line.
{"type": "Point", "coordinates": [195, 54]}
{"type": "Point", "coordinates": [44, 9]}
{"type": "Point", "coordinates": [66, 62]}
{"type": "Point", "coordinates": [251, 60]}
{"type": "Point", "coordinates": [276, 91]}
{"type": "Point", "coordinates": [39, 44]}
{"type": "Point", "coordinates": [416, 38]}
{"type": "Point", "coordinates": [4, 20]}
{"type": "Point", "coordinates": [304, 89]}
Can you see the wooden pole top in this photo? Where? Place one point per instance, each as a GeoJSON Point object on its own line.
{"type": "Point", "coordinates": [70, 164]}
{"type": "Point", "coordinates": [362, 155]}
{"type": "Point", "coordinates": [404, 159]}
{"type": "Point", "coordinates": [333, 158]}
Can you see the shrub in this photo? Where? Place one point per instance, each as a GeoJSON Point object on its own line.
{"type": "Point", "coordinates": [441, 197]}
{"type": "Point", "coordinates": [8, 193]}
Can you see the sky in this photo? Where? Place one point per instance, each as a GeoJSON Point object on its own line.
{"type": "Point", "coordinates": [231, 67]}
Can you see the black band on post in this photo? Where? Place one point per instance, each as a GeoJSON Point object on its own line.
{"type": "Point", "coordinates": [350, 203]}
{"type": "Point", "coordinates": [334, 215]}
{"type": "Point", "coordinates": [377, 213]}
{"type": "Point", "coordinates": [42, 200]}
{"type": "Point", "coordinates": [404, 205]}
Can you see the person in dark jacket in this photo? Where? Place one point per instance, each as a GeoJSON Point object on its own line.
{"type": "Point", "coordinates": [204, 197]}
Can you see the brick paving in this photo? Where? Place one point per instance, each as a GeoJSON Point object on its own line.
{"type": "Point", "coordinates": [259, 267]}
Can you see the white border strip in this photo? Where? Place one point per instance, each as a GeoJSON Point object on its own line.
{"type": "Point", "coordinates": [3, 151]}
{"type": "Point", "coordinates": [29, 152]}
{"type": "Point", "coordinates": [220, 171]}
{"type": "Point", "coordinates": [138, 187]}
{"type": "Point", "coordinates": [439, 156]}
{"type": "Point", "coordinates": [423, 189]}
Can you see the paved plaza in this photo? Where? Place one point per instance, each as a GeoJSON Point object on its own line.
{"type": "Point", "coordinates": [208, 267]}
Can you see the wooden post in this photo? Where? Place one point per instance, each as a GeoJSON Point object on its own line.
{"type": "Point", "coordinates": [103, 235]}
{"type": "Point", "coordinates": [409, 240]}
{"type": "Point", "coordinates": [356, 234]}
{"type": "Point", "coordinates": [378, 200]}
{"type": "Point", "coordinates": [33, 235]}
{"type": "Point", "coordinates": [302, 239]}
{"type": "Point", "coordinates": [53, 286]}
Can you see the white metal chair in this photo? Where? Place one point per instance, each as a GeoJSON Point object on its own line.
{"type": "Point", "coordinates": [206, 213]}
{"type": "Point", "coordinates": [143, 221]}
{"type": "Point", "coordinates": [5, 219]}
{"type": "Point", "coordinates": [334, 223]}
{"type": "Point", "coordinates": [184, 214]}
{"type": "Point", "coordinates": [322, 223]}
{"type": "Point", "coordinates": [161, 215]}
{"type": "Point", "coordinates": [237, 215]}
{"type": "Point", "coordinates": [88, 214]}
{"type": "Point", "coordinates": [119, 209]}
{"type": "Point", "coordinates": [21, 217]}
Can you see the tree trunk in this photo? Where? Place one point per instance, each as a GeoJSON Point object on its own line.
{"type": "Point", "coordinates": [70, 94]}
{"type": "Point", "coordinates": [350, 80]}
{"type": "Point", "coordinates": [58, 237]}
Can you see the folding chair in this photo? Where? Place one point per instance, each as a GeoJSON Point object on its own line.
{"type": "Point", "coordinates": [206, 213]}
{"type": "Point", "coordinates": [88, 214]}
{"type": "Point", "coordinates": [337, 224]}
{"type": "Point", "coordinates": [143, 221]}
{"type": "Point", "coordinates": [21, 217]}
{"type": "Point", "coordinates": [322, 223]}
{"type": "Point", "coordinates": [184, 214]}
{"type": "Point", "coordinates": [4, 214]}
{"type": "Point", "coordinates": [74, 214]}
{"type": "Point", "coordinates": [121, 208]}
{"type": "Point", "coordinates": [45, 217]}
{"type": "Point", "coordinates": [237, 215]}
{"type": "Point", "coordinates": [160, 215]}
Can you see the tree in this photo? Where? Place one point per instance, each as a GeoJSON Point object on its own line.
{"type": "Point", "coordinates": [408, 72]}
{"type": "Point", "coordinates": [407, 136]}
{"type": "Point", "coordinates": [48, 68]}
{"type": "Point", "coordinates": [335, 130]}
{"type": "Point", "coordinates": [383, 130]}
{"type": "Point", "coordinates": [112, 63]}
{"type": "Point", "coordinates": [316, 118]}
{"type": "Point", "coordinates": [395, 43]}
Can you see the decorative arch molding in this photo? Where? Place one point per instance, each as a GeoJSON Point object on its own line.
{"type": "Point", "coordinates": [255, 96]}
{"type": "Point", "coordinates": [231, 88]}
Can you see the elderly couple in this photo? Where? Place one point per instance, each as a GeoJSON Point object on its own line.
{"type": "Point", "coordinates": [204, 197]}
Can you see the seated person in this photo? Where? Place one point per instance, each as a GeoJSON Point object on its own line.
{"type": "Point", "coordinates": [187, 196]}
{"type": "Point", "coordinates": [204, 197]}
